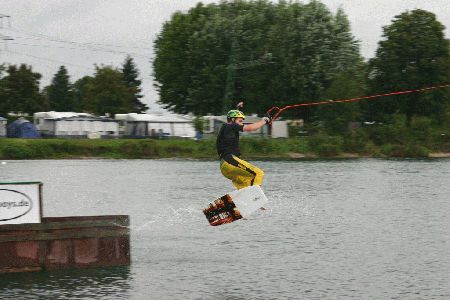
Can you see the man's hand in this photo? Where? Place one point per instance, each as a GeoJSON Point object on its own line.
{"type": "Point", "coordinates": [268, 118]}
{"type": "Point", "coordinates": [240, 105]}
{"type": "Point", "coordinates": [272, 113]}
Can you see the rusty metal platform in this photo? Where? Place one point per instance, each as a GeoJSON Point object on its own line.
{"type": "Point", "coordinates": [65, 242]}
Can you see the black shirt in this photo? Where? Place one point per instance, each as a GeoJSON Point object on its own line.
{"type": "Point", "coordinates": [228, 139]}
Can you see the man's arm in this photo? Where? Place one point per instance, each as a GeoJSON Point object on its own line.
{"type": "Point", "coordinates": [256, 125]}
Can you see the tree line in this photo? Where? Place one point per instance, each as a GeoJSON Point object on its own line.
{"type": "Point", "coordinates": [274, 54]}
{"type": "Point", "coordinates": [109, 90]}
{"type": "Point", "coordinates": [265, 54]}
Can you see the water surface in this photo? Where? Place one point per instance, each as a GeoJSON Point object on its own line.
{"type": "Point", "coordinates": [335, 229]}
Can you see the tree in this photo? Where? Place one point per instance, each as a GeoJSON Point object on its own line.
{"type": "Point", "coordinates": [107, 93]}
{"type": "Point", "coordinates": [60, 92]}
{"type": "Point", "coordinates": [131, 74]}
{"type": "Point", "coordinates": [348, 78]}
{"type": "Point", "coordinates": [3, 95]}
{"type": "Point", "coordinates": [81, 93]}
{"type": "Point", "coordinates": [337, 116]}
{"type": "Point", "coordinates": [199, 124]}
{"type": "Point", "coordinates": [21, 90]}
{"type": "Point", "coordinates": [263, 53]}
{"type": "Point", "coordinates": [413, 54]}
{"type": "Point", "coordinates": [174, 67]}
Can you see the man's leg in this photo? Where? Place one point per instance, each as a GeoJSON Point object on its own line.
{"type": "Point", "coordinates": [257, 175]}
{"type": "Point", "coordinates": [237, 175]}
{"type": "Point", "coordinates": [252, 175]}
{"type": "Point", "coordinates": [241, 173]}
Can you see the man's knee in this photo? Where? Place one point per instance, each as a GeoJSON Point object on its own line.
{"type": "Point", "coordinates": [259, 176]}
{"type": "Point", "coordinates": [258, 172]}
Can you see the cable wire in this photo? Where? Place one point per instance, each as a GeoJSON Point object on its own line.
{"type": "Point", "coordinates": [275, 111]}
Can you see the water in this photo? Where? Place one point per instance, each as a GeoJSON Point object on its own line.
{"type": "Point", "coordinates": [335, 229]}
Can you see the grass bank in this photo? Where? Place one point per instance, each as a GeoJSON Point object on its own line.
{"type": "Point", "coordinates": [356, 144]}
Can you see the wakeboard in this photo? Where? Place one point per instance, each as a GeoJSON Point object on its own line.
{"type": "Point", "coordinates": [235, 205]}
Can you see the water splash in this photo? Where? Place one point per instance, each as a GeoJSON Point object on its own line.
{"type": "Point", "coordinates": [170, 217]}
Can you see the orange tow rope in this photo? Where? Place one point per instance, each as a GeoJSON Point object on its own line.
{"type": "Point", "coordinates": [275, 111]}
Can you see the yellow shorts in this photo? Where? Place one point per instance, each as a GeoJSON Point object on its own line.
{"type": "Point", "coordinates": [240, 172]}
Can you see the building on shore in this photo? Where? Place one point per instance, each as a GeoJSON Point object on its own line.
{"type": "Point", "coordinates": [135, 125]}
{"type": "Point", "coordinates": [75, 125]}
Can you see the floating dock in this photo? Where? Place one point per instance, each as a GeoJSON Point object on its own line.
{"type": "Point", "coordinates": [65, 242]}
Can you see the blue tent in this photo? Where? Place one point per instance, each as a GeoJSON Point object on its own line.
{"type": "Point", "coordinates": [22, 129]}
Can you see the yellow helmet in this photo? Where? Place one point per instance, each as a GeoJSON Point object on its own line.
{"type": "Point", "coordinates": [235, 114]}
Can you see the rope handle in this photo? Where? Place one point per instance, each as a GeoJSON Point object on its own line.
{"type": "Point", "coordinates": [273, 113]}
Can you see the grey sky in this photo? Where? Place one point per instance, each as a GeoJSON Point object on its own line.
{"type": "Point", "coordinates": [51, 33]}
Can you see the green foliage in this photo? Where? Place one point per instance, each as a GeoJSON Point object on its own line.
{"type": "Point", "coordinates": [3, 93]}
{"type": "Point", "coordinates": [110, 90]}
{"type": "Point", "coordinates": [258, 51]}
{"type": "Point", "coordinates": [421, 131]}
{"type": "Point", "coordinates": [357, 142]}
{"type": "Point", "coordinates": [106, 92]}
{"type": "Point", "coordinates": [206, 148]}
{"type": "Point", "coordinates": [109, 94]}
{"type": "Point", "coordinates": [81, 89]}
{"type": "Point", "coordinates": [19, 90]}
{"type": "Point", "coordinates": [252, 146]}
{"type": "Point", "coordinates": [413, 54]}
{"type": "Point", "coordinates": [297, 145]}
{"type": "Point", "coordinates": [199, 123]}
{"type": "Point", "coordinates": [59, 93]}
{"type": "Point", "coordinates": [325, 145]}
{"type": "Point", "coordinates": [130, 75]}
{"type": "Point", "coordinates": [139, 148]}
{"type": "Point", "coordinates": [336, 117]}
{"type": "Point", "coordinates": [407, 143]}
{"type": "Point", "coordinates": [388, 133]}
{"type": "Point", "coordinates": [16, 150]}
{"type": "Point", "coordinates": [405, 150]}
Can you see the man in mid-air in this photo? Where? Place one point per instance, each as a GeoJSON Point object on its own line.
{"type": "Point", "coordinates": [241, 173]}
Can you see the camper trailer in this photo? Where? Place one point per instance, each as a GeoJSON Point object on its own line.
{"type": "Point", "coordinates": [135, 125]}
{"type": "Point", "coordinates": [75, 125]}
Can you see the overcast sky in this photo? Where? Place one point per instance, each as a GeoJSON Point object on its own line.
{"type": "Point", "coordinates": [81, 33]}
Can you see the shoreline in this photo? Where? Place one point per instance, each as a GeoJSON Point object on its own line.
{"type": "Point", "coordinates": [289, 157]}
{"type": "Point", "coordinates": [439, 155]}
{"type": "Point", "coordinates": [251, 149]}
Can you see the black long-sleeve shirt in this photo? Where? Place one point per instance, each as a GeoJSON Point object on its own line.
{"type": "Point", "coordinates": [228, 139]}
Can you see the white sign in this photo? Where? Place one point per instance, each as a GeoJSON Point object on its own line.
{"type": "Point", "coordinates": [20, 203]}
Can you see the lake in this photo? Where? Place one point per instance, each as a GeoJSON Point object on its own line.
{"type": "Point", "coordinates": [334, 229]}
